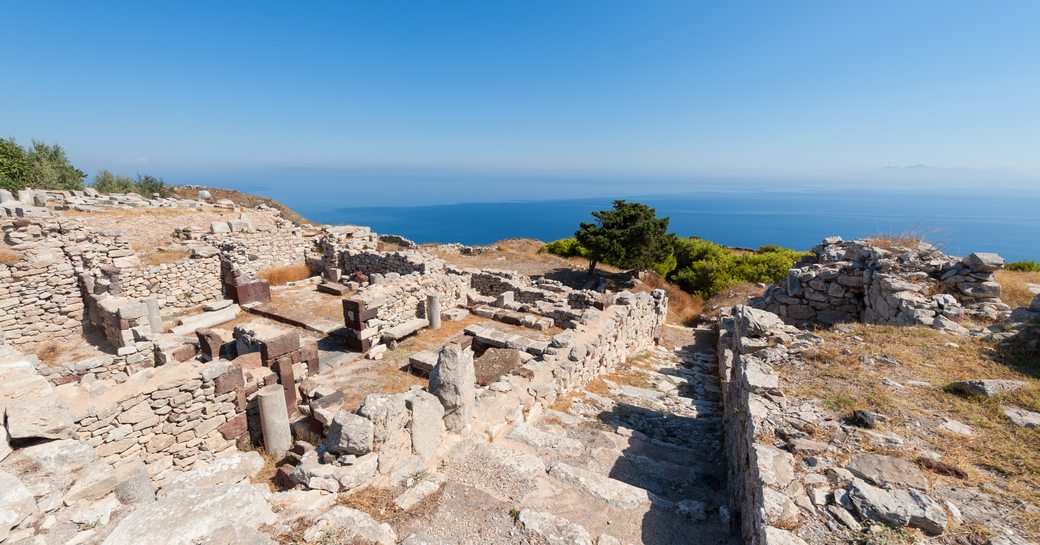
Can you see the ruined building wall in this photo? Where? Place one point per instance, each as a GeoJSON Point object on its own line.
{"type": "Point", "coordinates": [403, 263]}
{"type": "Point", "coordinates": [179, 285]}
{"type": "Point", "coordinates": [178, 416]}
{"type": "Point", "coordinates": [264, 249]}
{"type": "Point", "coordinates": [401, 298]}
{"type": "Point", "coordinates": [762, 479]}
{"type": "Point", "coordinates": [39, 293]}
{"type": "Point", "coordinates": [849, 281]}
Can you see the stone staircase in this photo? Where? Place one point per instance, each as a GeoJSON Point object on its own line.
{"type": "Point", "coordinates": [635, 464]}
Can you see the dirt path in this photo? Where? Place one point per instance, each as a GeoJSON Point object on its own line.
{"type": "Point", "coordinates": [633, 459]}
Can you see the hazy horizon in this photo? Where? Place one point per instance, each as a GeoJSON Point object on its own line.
{"type": "Point", "coordinates": [203, 92]}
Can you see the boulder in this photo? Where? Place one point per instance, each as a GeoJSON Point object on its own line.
{"type": "Point", "coordinates": [65, 456]}
{"type": "Point", "coordinates": [313, 474]}
{"type": "Point", "coordinates": [191, 515]}
{"type": "Point", "coordinates": [346, 525]}
{"type": "Point", "coordinates": [757, 323]}
{"type": "Point", "coordinates": [387, 413]}
{"type": "Point", "coordinates": [983, 262]}
{"type": "Point", "coordinates": [887, 470]}
{"type": "Point", "coordinates": [350, 433]}
{"type": "Point", "coordinates": [35, 418]}
{"type": "Point", "coordinates": [453, 381]}
{"type": "Point", "coordinates": [96, 482]}
{"type": "Point", "coordinates": [16, 503]}
{"type": "Point", "coordinates": [238, 467]}
{"type": "Point", "coordinates": [986, 387]}
{"type": "Point", "coordinates": [1022, 417]}
{"type": "Point", "coordinates": [897, 508]}
{"type": "Point", "coordinates": [1035, 305]}
{"type": "Point", "coordinates": [552, 529]}
{"type": "Point", "coordinates": [427, 416]}
{"type": "Point", "coordinates": [134, 486]}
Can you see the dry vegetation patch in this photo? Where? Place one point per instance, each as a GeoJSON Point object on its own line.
{"type": "Point", "coordinates": [849, 371]}
{"type": "Point", "coordinates": [1014, 288]}
{"type": "Point", "coordinates": [279, 276]}
{"type": "Point", "coordinates": [9, 256]}
{"type": "Point", "coordinates": [890, 241]}
{"type": "Point", "coordinates": [159, 255]}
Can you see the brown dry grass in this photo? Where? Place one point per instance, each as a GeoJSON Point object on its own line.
{"type": "Point", "coordinates": [159, 255]}
{"type": "Point", "coordinates": [1013, 287]}
{"type": "Point", "coordinates": [279, 276]}
{"type": "Point", "coordinates": [735, 295]}
{"type": "Point", "coordinates": [377, 502]}
{"type": "Point", "coordinates": [50, 352]}
{"type": "Point", "coordinates": [683, 308]}
{"type": "Point", "coordinates": [9, 256]}
{"type": "Point", "coordinates": [890, 241]}
{"type": "Point", "coordinates": [999, 454]}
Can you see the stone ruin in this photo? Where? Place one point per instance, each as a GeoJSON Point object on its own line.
{"type": "Point", "coordinates": [124, 446]}
{"type": "Point", "coordinates": [855, 281]}
{"type": "Point", "coordinates": [178, 408]}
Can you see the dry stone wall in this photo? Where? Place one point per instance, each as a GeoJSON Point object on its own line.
{"type": "Point", "coordinates": [179, 285]}
{"type": "Point", "coordinates": [850, 281]}
{"type": "Point", "coordinates": [170, 417]}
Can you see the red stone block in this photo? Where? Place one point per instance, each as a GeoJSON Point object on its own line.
{"type": "Point", "coordinates": [184, 352]}
{"type": "Point", "coordinates": [235, 427]}
{"type": "Point", "coordinates": [254, 292]}
{"type": "Point", "coordinates": [279, 346]}
{"type": "Point", "coordinates": [209, 343]}
{"type": "Point", "coordinates": [233, 379]}
{"type": "Point", "coordinates": [248, 361]}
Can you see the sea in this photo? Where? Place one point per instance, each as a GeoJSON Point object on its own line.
{"type": "Point", "coordinates": [959, 218]}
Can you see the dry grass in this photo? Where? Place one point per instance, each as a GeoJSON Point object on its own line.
{"type": "Point", "coordinates": [735, 295]}
{"type": "Point", "coordinates": [279, 276]}
{"type": "Point", "coordinates": [900, 240]}
{"type": "Point", "coordinates": [244, 200]}
{"type": "Point", "coordinates": [1013, 287]}
{"type": "Point", "coordinates": [377, 502]}
{"type": "Point", "coordinates": [159, 255]}
{"type": "Point", "coordinates": [9, 256]}
{"type": "Point", "coordinates": [50, 352]}
{"type": "Point", "coordinates": [683, 308]}
{"type": "Point", "coordinates": [999, 454]}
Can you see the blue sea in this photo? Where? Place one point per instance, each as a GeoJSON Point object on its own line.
{"type": "Point", "coordinates": [960, 218]}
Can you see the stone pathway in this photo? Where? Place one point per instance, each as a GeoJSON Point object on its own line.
{"type": "Point", "coordinates": [638, 461]}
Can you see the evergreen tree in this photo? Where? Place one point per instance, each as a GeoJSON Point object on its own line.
{"type": "Point", "coordinates": [629, 236]}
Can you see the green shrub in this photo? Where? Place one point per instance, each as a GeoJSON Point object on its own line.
{"type": "Point", "coordinates": [668, 265]}
{"type": "Point", "coordinates": [1023, 266]}
{"type": "Point", "coordinates": [146, 185]}
{"type": "Point", "coordinates": [566, 247]}
{"type": "Point", "coordinates": [705, 268]}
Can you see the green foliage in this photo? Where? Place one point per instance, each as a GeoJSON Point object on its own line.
{"type": "Point", "coordinates": [565, 247]}
{"type": "Point", "coordinates": [146, 185]}
{"type": "Point", "coordinates": [668, 265]}
{"type": "Point", "coordinates": [705, 268]}
{"type": "Point", "coordinates": [50, 168]}
{"type": "Point", "coordinates": [1023, 266]}
{"type": "Point", "coordinates": [630, 236]}
{"type": "Point", "coordinates": [43, 167]}
{"type": "Point", "coordinates": [14, 165]}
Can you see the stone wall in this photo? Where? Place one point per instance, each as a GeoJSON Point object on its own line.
{"type": "Point", "coordinates": [39, 294]}
{"type": "Point", "coordinates": [403, 263]}
{"type": "Point", "coordinates": [264, 248]}
{"type": "Point", "coordinates": [179, 285]}
{"type": "Point", "coordinates": [171, 417]}
{"type": "Point", "coordinates": [850, 281]}
{"type": "Point", "coordinates": [761, 477]}
{"type": "Point", "coordinates": [402, 298]}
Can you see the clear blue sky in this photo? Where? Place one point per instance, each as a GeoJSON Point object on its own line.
{"type": "Point", "coordinates": [554, 86]}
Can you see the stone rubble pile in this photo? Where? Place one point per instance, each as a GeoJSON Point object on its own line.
{"type": "Point", "coordinates": [854, 281]}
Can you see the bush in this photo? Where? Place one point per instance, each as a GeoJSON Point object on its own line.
{"type": "Point", "coordinates": [49, 168]}
{"type": "Point", "coordinates": [705, 268]}
{"type": "Point", "coordinates": [146, 185]}
{"type": "Point", "coordinates": [565, 247]}
{"type": "Point", "coordinates": [1023, 266]}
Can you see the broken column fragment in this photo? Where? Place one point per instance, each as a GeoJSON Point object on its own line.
{"type": "Point", "coordinates": [452, 381]}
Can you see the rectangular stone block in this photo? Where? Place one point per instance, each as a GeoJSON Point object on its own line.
{"type": "Point", "coordinates": [254, 292]}
{"type": "Point", "coordinates": [279, 346]}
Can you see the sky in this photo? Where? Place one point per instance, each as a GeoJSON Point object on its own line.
{"type": "Point", "coordinates": [203, 90]}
